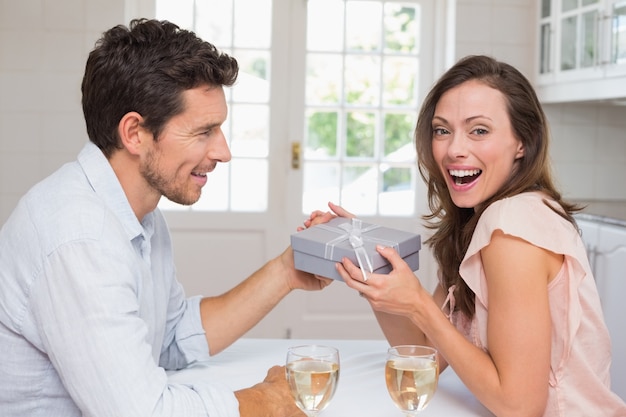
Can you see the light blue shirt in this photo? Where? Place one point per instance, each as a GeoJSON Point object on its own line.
{"type": "Point", "coordinates": [91, 313]}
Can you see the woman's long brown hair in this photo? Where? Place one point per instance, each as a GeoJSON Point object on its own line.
{"type": "Point", "coordinates": [454, 226]}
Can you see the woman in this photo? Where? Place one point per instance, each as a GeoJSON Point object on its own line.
{"type": "Point", "coordinates": [516, 312]}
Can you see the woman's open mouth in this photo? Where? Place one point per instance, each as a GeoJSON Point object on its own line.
{"type": "Point", "coordinates": [464, 176]}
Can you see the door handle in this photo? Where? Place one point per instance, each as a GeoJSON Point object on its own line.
{"type": "Point", "coordinates": [295, 155]}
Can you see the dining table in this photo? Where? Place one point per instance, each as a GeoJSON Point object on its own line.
{"type": "Point", "coordinates": [361, 390]}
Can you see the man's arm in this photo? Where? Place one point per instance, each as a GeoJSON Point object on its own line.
{"type": "Point", "coordinates": [227, 317]}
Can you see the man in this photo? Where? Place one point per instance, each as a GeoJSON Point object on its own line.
{"type": "Point", "coordinates": [91, 314]}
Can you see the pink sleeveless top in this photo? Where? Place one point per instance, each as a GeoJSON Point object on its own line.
{"type": "Point", "coordinates": [581, 349]}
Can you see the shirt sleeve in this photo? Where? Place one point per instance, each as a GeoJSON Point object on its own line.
{"type": "Point", "coordinates": [185, 339]}
{"type": "Point", "coordinates": [86, 308]}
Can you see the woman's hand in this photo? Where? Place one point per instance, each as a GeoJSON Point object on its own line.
{"type": "Point", "coordinates": [397, 292]}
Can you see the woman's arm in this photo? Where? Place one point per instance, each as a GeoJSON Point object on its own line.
{"type": "Point", "coordinates": [512, 378]}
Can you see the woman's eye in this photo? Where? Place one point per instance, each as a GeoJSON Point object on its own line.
{"type": "Point", "coordinates": [438, 131]}
{"type": "Point", "coordinates": [480, 131]}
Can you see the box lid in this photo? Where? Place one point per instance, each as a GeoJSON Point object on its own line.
{"type": "Point", "coordinates": [331, 241]}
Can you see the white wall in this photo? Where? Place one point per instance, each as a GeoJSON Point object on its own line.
{"type": "Point", "coordinates": [43, 49]}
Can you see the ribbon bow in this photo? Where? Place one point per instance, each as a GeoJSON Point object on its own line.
{"type": "Point", "coordinates": [355, 238]}
{"type": "Point", "coordinates": [354, 231]}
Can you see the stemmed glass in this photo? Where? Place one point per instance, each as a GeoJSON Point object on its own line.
{"type": "Point", "coordinates": [411, 374]}
{"type": "Point", "coordinates": [312, 374]}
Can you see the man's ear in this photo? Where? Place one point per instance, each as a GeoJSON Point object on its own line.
{"type": "Point", "coordinates": [132, 135]}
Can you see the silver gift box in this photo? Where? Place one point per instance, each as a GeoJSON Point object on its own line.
{"type": "Point", "coordinates": [318, 248]}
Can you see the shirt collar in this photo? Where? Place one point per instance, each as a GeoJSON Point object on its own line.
{"type": "Point", "coordinates": [103, 180]}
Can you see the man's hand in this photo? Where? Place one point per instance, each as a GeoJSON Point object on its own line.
{"type": "Point", "coordinates": [270, 398]}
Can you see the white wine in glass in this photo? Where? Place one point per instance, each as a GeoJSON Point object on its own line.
{"type": "Point", "coordinates": [312, 374]}
{"type": "Point", "coordinates": [411, 374]}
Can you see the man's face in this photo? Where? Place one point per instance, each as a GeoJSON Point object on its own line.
{"type": "Point", "coordinates": [189, 147]}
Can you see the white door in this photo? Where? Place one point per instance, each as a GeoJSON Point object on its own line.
{"type": "Point", "coordinates": [324, 110]}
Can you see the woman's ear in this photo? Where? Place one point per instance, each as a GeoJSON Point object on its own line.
{"type": "Point", "coordinates": [520, 150]}
{"type": "Point", "coordinates": [132, 134]}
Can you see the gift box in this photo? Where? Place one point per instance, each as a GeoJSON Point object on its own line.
{"type": "Point", "coordinates": [318, 248]}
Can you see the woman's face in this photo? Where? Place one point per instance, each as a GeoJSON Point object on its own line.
{"type": "Point", "coordinates": [473, 142]}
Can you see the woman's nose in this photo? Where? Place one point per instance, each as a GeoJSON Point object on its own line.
{"type": "Point", "coordinates": [457, 147]}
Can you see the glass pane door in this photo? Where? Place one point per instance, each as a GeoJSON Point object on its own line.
{"type": "Point", "coordinates": [360, 97]}
{"type": "Point", "coordinates": [362, 93]}
{"type": "Point", "coordinates": [242, 184]}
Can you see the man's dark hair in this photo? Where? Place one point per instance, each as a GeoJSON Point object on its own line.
{"type": "Point", "coordinates": [144, 68]}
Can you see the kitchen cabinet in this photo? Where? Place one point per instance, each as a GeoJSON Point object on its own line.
{"type": "Point", "coordinates": [606, 248]}
{"type": "Point", "coordinates": [581, 50]}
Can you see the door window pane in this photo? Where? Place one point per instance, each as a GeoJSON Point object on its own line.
{"type": "Point", "coordinates": [249, 185]}
{"type": "Point", "coordinates": [325, 24]}
{"type": "Point", "coordinates": [360, 134]}
{"type": "Point", "coordinates": [361, 107]}
{"type": "Point", "coordinates": [399, 81]}
{"type": "Point", "coordinates": [319, 183]}
{"type": "Point", "coordinates": [323, 78]}
{"type": "Point", "coordinates": [250, 23]}
{"type": "Point", "coordinates": [401, 28]}
{"type": "Point", "coordinates": [321, 133]}
{"type": "Point", "coordinates": [362, 80]}
{"type": "Point", "coordinates": [242, 184]}
{"type": "Point", "coordinates": [363, 25]}
{"type": "Point", "coordinates": [398, 145]}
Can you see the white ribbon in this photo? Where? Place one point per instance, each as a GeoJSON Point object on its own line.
{"type": "Point", "coordinates": [354, 234]}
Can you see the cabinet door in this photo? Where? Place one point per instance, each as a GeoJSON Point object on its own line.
{"type": "Point", "coordinates": [589, 235]}
{"type": "Point", "coordinates": [616, 51]}
{"type": "Point", "coordinates": [581, 50]}
{"type": "Point", "coordinates": [611, 272]}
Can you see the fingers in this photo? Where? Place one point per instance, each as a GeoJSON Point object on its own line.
{"type": "Point", "coordinates": [318, 216]}
{"type": "Point", "coordinates": [275, 373]}
{"type": "Point", "coordinates": [340, 211]}
{"type": "Point", "coordinates": [391, 255]}
{"type": "Point", "coordinates": [324, 282]}
{"type": "Point", "coordinates": [351, 274]}
{"type": "Point", "coordinates": [321, 218]}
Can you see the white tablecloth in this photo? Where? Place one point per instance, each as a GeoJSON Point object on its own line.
{"type": "Point", "coordinates": [361, 390]}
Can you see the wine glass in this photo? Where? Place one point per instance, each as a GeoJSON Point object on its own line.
{"type": "Point", "coordinates": [312, 373]}
{"type": "Point", "coordinates": [411, 374]}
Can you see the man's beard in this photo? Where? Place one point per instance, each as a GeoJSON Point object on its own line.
{"type": "Point", "coordinates": [165, 186]}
